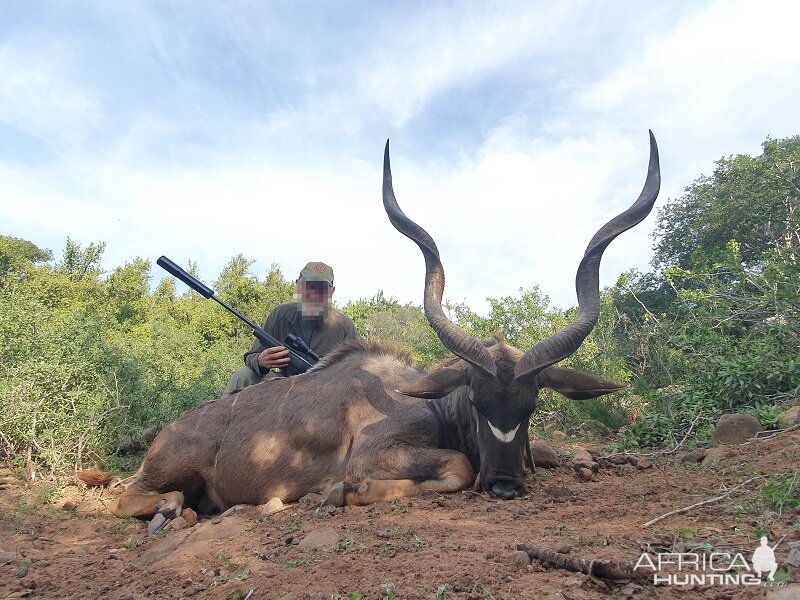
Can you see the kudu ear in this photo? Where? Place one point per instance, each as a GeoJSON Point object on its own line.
{"type": "Point", "coordinates": [576, 385]}
{"type": "Point", "coordinates": [438, 384]}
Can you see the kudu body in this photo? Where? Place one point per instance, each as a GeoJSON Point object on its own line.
{"type": "Point", "coordinates": [364, 426]}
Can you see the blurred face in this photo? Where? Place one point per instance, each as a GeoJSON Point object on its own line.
{"type": "Point", "coordinates": [314, 297]}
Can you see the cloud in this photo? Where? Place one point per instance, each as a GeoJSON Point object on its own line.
{"type": "Point", "coordinates": [40, 94]}
{"type": "Point", "coordinates": [517, 130]}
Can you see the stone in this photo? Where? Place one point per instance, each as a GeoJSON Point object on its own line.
{"type": "Point", "coordinates": [559, 437]}
{"type": "Point", "coordinates": [643, 464]}
{"type": "Point", "coordinates": [714, 455]}
{"type": "Point", "coordinates": [558, 491]}
{"type": "Point", "coordinates": [9, 481]}
{"type": "Point", "coordinates": [582, 456]}
{"type": "Point", "coordinates": [150, 433]}
{"type": "Point", "coordinates": [790, 592]}
{"type": "Point", "coordinates": [794, 557]}
{"type": "Point", "coordinates": [270, 508]}
{"type": "Point", "coordinates": [564, 549]}
{"type": "Point", "coordinates": [69, 505]}
{"type": "Point", "coordinates": [320, 538]}
{"type": "Point", "coordinates": [544, 456]}
{"type": "Point", "coordinates": [176, 523]}
{"type": "Point", "coordinates": [189, 516]}
{"type": "Point", "coordinates": [735, 429]}
{"type": "Point", "coordinates": [630, 589]}
{"type": "Point", "coordinates": [695, 456]}
{"type": "Point", "coordinates": [584, 474]}
{"type": "Point", "coordinates": [790, 418]}
{"type": "Point", "coordinates": [520, 558]}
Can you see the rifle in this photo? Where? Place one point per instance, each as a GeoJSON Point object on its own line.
{"type": "Point", "coordinates": [299, 352]}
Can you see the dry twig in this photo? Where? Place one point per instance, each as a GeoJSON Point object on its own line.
{"type": "Point", "coordinates": [699, 504]}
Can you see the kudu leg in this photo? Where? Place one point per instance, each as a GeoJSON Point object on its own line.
{"type": "Point", "coordinates": [135, 503]}
{"type": "Point", "coordinates": [433, 470]}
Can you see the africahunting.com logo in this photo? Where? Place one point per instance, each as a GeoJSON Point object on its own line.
{"type": "Point", "coordinates": [712, 569]}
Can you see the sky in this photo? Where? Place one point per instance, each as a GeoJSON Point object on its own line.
{"type": "Point", "coordinates": [205, 130]}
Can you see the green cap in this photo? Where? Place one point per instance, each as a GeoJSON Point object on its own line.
{"type": "Point", "coordinates": [317, 271]}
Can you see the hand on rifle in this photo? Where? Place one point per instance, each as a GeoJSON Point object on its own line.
{"type": "Point", "coordinates": [274, 358]}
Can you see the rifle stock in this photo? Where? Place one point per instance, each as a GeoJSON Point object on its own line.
{"type": "Point", "coordinates": [296, 360]}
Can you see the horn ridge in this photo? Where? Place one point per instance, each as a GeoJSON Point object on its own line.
{"type": "Point", "coordinates": [453, 337]}
{"type": "Point", "coordinates": [587, 279]}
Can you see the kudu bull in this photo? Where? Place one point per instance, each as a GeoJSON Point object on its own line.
{"type": "Point", "coordinates": [364, 426]}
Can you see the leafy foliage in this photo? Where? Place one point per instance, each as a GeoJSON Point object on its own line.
{"type": "Point", "coordinates": [720, 321]}
{"type": "Point", "coordinates": [87, 358]}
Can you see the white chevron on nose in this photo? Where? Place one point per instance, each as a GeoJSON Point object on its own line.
{"type": "Point", "coordinates": [503, 437]}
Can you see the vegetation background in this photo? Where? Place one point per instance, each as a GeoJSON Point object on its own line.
{"type": "Point", "coordinates": [88, 359]}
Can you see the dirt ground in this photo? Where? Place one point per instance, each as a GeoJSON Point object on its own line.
{"type": "Point", "coordinates": [457, 546]}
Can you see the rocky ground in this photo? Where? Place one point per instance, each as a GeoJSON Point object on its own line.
{"type": "Point", "coordinates": [63, 544]}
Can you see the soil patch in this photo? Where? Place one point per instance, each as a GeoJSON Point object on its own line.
{"type": "Point", "coordinates": [456, 546]}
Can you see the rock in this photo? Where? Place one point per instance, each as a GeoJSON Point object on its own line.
{"type": "Point", "coordinates": [695, 456]}
{"type": "Point", "coordinates": [520, 558]}
{"type": "Point", "coordinates": [189, 516]}
{"type": "Point", "coordinates": [176, 523]}
{"type": "Point", "coordinates": [564, 549]}
{"type": "Point", "coordinates": [583, 460]}
{"type": "Point", "coordinates": [794, 557]}
{"type": "Point", "coordinates": [735, 429]}
{"type": "Point", "coordinates": [311, 499]}
{"type": "Point", "coordinates": [790, 592]}
{"type": "Point", "coordinates": [790, 418]}
{"type": "Point", "coordinates": [544, 456]}
{"type": "Point", "coordinates": [9, 481]}
{"type": "Point", "coordinates": [584, 474]}
{"type": "Point", "coordinates": [150, 433]}
{"type": "Point", "coordinates": [558, 491]}
{"type": "Point", "coordinates": [629, 589]}
{"type": "Point", "coordinates": [156, 524]}
{"type": "Point", "coordinates": [582, 456]}
{"type": "Point", "coordinates": [22, 570]}
{"type": "Point", "coordinates": [559, 437]}
{"type": "Point", "coordinates": [325, 536]}
{"type": "Point", "coordinates": [271, 507]}
{"type": "Point", "coordinates": [643, 464]}
{"type": "Point", "coordinates": [69, 505]}
{"type": "Point", "coordinates": [714, 455]}
{"type": "Point", "coordinates": [193, 589]}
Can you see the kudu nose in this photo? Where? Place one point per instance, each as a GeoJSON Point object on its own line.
{"type": "Point", "coordinates": [505, 490]}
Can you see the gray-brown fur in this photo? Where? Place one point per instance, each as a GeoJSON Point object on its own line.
{"type": "Point", "coordinates": [364, 426]}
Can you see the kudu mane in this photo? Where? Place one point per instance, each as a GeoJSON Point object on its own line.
{"type": "Point", "coordinates": [354, 347]}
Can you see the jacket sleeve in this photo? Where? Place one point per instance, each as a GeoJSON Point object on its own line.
{"type": "Point", "coordinates": [251, 356]}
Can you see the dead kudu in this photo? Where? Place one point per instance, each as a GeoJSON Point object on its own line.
{"type": "Point", "coordinates": [364, 426]}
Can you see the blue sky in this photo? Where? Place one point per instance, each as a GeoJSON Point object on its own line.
{"type": "Point", "coordinates": [202, 130]}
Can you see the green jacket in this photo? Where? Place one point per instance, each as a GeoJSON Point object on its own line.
{"type": "Point", "coordinates": [285, 319]}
